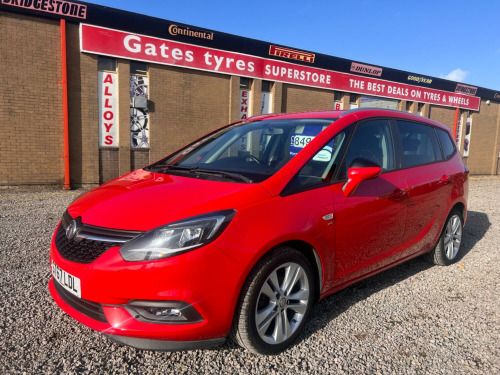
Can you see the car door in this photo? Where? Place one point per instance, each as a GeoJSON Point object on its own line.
{"type": "Point", "coordinates": [370, 223]}
{"type": "Point", "coordinates": [429, 184]}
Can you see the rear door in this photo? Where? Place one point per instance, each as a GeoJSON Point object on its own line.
{"type": "Point", "coordinates": [429, 184]}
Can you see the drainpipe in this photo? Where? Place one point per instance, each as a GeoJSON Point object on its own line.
{"type": "Point", "coordinates": [64, 83]}
{"type": "Point", "coordinates": [455, 124]}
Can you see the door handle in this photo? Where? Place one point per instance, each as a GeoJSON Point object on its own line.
{"type": "Point", "coordinates": [445, 180]}
{"type": "Point", "coordinates": [397, 194]}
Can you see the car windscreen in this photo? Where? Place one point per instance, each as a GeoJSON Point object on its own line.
{"type": "Point", "coordinates": [247, 152]}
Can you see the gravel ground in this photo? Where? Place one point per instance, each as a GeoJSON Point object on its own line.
{"type": "Point", "coordinates": [412, 319]}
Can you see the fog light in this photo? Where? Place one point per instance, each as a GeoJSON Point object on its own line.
{"type": "Point", "coordinates": [163, 312]}
{"type": "Point", "coordinates": [160, 311]}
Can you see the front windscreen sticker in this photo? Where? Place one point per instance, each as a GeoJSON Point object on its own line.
{"type": "Point", "coordinates": [302, 136]}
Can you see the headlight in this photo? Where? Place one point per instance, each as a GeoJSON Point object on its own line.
{"type": "Point", "coordinates": [175, 238]}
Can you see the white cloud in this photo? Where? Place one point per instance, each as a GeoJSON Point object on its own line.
{"type": "Point", "coordinates": [457, 74]}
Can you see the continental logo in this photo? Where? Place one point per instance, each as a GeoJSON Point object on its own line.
{"type": "Point", "coordinates": [464, 89]}
{"type": "Point", "coordinates": [291, 54]}
{"type": "Point", "coordinates": [186, 31]}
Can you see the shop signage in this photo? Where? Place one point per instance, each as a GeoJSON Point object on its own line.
{"type": "Point", "coordinates": [419, 79]}
{"type": "Point", "coordinates": [288, 53]}
{"type": "Point", "coordinates": [108, 109]}
{"type": "Point", "coordinates": [186, 31]}
{"type": "Point", "coordinates": [121, 44]}
{"type": "Point", "coordinates": [467, 90]}
{"type": "Point", "coordinates": [244, 104]}
{"type": "Point", "coordinates": [366, 69]}
{"type": "Point", "coordinates": [60, 7]}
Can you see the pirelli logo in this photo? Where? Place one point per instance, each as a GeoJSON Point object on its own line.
{"type": "Point", "coordinates": [291, 54]}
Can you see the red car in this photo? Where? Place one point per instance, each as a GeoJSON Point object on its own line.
{"type": "Point", "coordinates": [240, 232]}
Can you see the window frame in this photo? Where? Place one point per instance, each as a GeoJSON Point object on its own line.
{"type": "Point", "coordinates": [455, 149]}
{"type": "Point", "coordinates": [397, 149]}
{"type": "Point", "coordinates": [430, 128]}
{"type": "Point", "coordinates": [350, 129]}
{"type": "Point", "coordinates": [335, 178]}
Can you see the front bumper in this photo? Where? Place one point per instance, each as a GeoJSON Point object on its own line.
{"type": "Point", "coordinates": [205, 278]}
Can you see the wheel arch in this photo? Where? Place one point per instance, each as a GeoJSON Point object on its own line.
{"type": "Point", "coordinates": [312, 256]}
{"type": "Point", "coordinates": [460, 207]}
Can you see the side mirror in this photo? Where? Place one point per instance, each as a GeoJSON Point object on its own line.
{"type": "Point", "coordinates": [361, 169]}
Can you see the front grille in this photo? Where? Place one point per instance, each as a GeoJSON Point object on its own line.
{"type": "Point", "coordinates": [91, 309]}
{"type": "Point", "coordinates": [89, 242]}
{"type": "Point", "coordinates": [82, 251]}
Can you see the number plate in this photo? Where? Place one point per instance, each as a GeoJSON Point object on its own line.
{"type": "Point", "coordinates": [66, 280]}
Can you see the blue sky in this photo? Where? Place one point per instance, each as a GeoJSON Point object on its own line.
{"type": "Point", "coordinates": [458, 40]}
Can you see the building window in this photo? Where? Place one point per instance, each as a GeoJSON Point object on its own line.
{"type": "Point", "coordinates": [420, 109]}
{"type": "Point", "coordinates": [266, 100]}
{"type": "Point", "coordinates": [138, 68]}
{"type": "Point", "coordinates": [353, 101]}
{"type": "Point", "coordinates": [408, 106]}
{"type": "Point", "coordinates": [106, 64]}
{"type": "Point", "coordinates": [266, 86]}
{"type": "Point", "coordinates": [377, 102]}
{"type": "Point", "coordinates": [245, 83]}
{"type": "Point", "coordinates": [337, 100]}
{"type": "Point", "coordinates": [139, 112]}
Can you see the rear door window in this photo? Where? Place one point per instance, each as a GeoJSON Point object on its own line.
{"type": "Point", "coordinates": [417, 143]}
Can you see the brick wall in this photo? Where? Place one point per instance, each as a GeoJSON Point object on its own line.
{"type": "Point", "coordinates": [299, 98]}
{"type": "Point", "coordinates": [444, 115]}
{"type": "Point", "coordinates": [31, 144]}
{"type": "Point", "coordinates": [188, 104]}
{"type": "Point", "coordinates": [484, 139]}
{"type": "Point", "coordinates": [83, 112]}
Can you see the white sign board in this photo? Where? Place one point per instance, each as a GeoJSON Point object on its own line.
{"type": "Point", "coordinates": [108, 109]}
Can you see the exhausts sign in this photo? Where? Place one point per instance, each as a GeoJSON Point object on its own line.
{"type": "Point", "coordinates": [104, 41]}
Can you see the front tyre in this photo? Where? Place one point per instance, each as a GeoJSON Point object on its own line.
{"type": "Point", "coordinates": [275, 302]}
{"type": "Point", "coordinates": [448, 246]}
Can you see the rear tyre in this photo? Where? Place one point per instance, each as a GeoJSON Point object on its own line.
{"type": "Point", "coordinates": [448, 247]}
{"type": "Point", "coordinates": [275, 302]}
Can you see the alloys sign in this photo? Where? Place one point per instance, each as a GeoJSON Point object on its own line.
{"type": "Point", "coordinates": [108, 109]}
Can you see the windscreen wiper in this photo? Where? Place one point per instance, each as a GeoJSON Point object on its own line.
{"type": "Point", "coordinates": [234, 176]}
{"type": "Point", "coordinates": [198, 170]}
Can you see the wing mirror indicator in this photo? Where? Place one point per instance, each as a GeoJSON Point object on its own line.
{"type": "Point", "coordinates": [361, 169]}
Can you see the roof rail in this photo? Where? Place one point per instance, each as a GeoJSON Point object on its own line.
{"type": "Point", "coordinates": [349, 111]}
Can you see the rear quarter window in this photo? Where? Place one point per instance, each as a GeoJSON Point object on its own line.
{"type": "Point", "coordinates": [446, 143]}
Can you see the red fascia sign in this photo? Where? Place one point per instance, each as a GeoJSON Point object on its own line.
{"type": "Point", "coordinates": [104, 41]}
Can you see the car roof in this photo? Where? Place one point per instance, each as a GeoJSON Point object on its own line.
{"type": "Point", "coordinates": [356, 114]}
